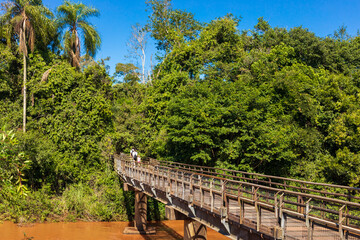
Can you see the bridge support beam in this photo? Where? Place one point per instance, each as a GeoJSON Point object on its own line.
{"type": "Point", "coordinates": [127, 187]}
{"type": "Point", "coordinates": [194, 230]}
{"type": "Point", "coordinates": [140, 223]}
{"type": "Point", "coordinates": [172, 214]}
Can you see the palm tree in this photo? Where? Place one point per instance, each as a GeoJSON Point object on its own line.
{"type": "Point", "coordinates": [74, 17]}
{"type": "Point", "coordinates": [28, 18]}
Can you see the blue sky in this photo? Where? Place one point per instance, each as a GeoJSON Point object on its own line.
{"type": "Point", "coordinates": [322, 17]}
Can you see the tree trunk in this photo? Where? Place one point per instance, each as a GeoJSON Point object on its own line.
{"type": "Point", "coordinates": [143, 58]}
{"type": "Point", "coordinates": [24, 105]}
{"type": "Point", "coordinates": [24, 59]}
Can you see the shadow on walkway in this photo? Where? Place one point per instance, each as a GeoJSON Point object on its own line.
{"type": "Point", "coordinates": [163, 232]}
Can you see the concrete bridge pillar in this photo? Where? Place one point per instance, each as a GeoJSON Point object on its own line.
{"type": "Point", "coordinates": [140, 223]}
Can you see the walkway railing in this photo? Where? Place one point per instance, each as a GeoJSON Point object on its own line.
{"type": "Point", "coordinates": [278, 207]}
{"type": "Point", "coordinates": [327, 190]}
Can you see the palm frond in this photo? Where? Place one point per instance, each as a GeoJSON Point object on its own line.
{"type": "Point", "coordinates": [92, 40]}
{"type": "Point", "coordinates": [67, 12]}
{"type": "Point", "coordinates": [17, 23]}
{"type": "Point", "coordinates": [30, 33]}
{"type": "Point", "coordinates": [41, 19]}
{"type": "Point", "coordinates": [67, 42]}
{"type": "Point", "coordinates": [22, 42]}
{"type": "Point", "coordinates": [87, 12]}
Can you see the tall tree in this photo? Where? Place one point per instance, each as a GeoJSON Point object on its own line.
{"type": "Point", "coordinates": [74, 17]}
{"type": "Point", "coordinates": [137, 46]}
{"type": "Point", "coordinates": [28, 18]}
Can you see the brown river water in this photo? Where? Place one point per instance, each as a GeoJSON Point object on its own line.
{"type": "Point", "coordinates": [170, 229]}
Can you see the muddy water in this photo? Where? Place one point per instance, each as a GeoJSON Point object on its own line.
{"type": "Point", "coordinates": [166, 230]}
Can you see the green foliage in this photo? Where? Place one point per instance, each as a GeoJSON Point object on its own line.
{"type": "Point", "coordinates": [100, 198]}
{"type": "Point", "coordinates": [9, 82]}
{"type": "Point", "coordinates": [262, 25]}
{"type": "Point", "coordinates": [170, 27]}
{"type": "Point", "coordinates": [278, 102]}
{"type": "Point", "coordinates": [129, 72]}
{"type": "Point", "coordinates": [74, 114]}
{"type": "Point", "coordinates": [13, 163]}
{"type": "Point", "coordinates": [10, 87]}
{"type": "Point", "coordinates": [128, 119]}
{"type": "Point", "coordinates": [66, 174]}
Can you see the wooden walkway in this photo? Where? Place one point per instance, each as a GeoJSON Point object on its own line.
{"type": "Point", "coordinates": [240, 204]}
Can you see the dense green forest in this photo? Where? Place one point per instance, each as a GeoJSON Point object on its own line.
{"type": "Point", "coordinates": [268, 100]}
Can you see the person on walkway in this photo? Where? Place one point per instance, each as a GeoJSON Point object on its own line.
{"type": "Point", "coordinates": [131, 152]}
{"type": "Point", "coordinates": [134, 155]}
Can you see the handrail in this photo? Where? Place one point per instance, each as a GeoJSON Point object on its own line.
{"type": "Point", "coordinates": [334, 200]}
{"type": "Point", "coordinates": [262, 175]}
{"type": "Point", "coordinates": [301, 188]}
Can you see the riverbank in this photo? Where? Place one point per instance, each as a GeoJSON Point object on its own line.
{"type": "Point", "coordinates": [168, 229]}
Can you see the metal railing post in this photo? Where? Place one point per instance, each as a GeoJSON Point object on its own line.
{"type": "Point", "coordinates": [282, 216]}
{"type": "Point", "coordinates": [201, 193]}
{"type": "Point", "coordinates": [341, 219]}
{"type": "Point", "coordinates": [183, 185]}
{"type": "Point", "coordinates": [258, 213]}
{"type": "Point", "coordinates": [211, 195]}
{"type": "Point", "coordinates": [307, 218]}
{"type": "Point", "coordinates": [224, 204]}
{"type": "Point", "coordinates": [241, 205]}
{"type": "Point", "coordinates": [176, 182]}
{"type": "Point", "coordinates": [169, 180]}
{"type": "Point", "coordinates": [191, 195]}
